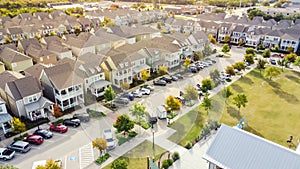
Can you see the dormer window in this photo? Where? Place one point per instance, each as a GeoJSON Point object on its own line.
{"type": "Point", "coordinates": [32, 99]}
{"type": "Point", "coordinates": [1, 109]}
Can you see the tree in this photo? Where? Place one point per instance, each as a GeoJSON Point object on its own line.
{"type": "Point", "coordinates": [125, 86]}
{"type": "Point", "coordinates": [100, 144]}
{"type": "Point", "coordinates": [215, 76]}
{"type": "Point", "coordinates": [290, 49]}
{"type": "Point", "coordinates": [230, 70]}
{"type": "Point", "coordinates": [187, 62]}
{"type": "Point", "coordinates": [212, 39]}
{"type": "Point", "coordinates": [240, 100]}
{"type": "Point", "coordinates": [225, 48]}
{"type": "Point", "coordinates": [282, 63]}
{"type": "Point", "coordinates": [276, 48]}
{"type": "Point", "coordinates": [227, 93]}
{"type": "Point", "coordinates": [266, 53]}
{"type": "Point", "coordinates": [291, 57]}
{"type": "Point", "coordinates": [50, 164]}
{"type": "Point", "coordinates": [297, 61]}
{"type": "Point", "coordinates": [239, 66]}
{"type": "Point", "coordinates": [8, 40]}
{"type": "Point", "coordinates": [7, 167]}
{"type": "Point", "coordinates": [173, 103]}
{"type": "Point", "coordinates": [162, 70]}
{"type": "Point", "coordinates": [123, 123]}
{"type": "Point", "coordinates": [57, 111]}
{"type": "Point", "coordinates": [19, 126]}
{"type": "Point", "coordinates": [249, 58]}
{"type": "Point", "coordinates": [119, 164]}
{"type": "Point", "coordinates": [190, 93]}
{"type": "Point", "coordinates": [138, 110]}
{"type": "Point", "coordinates": [241, 42]}
{"type": "Point", "coordinates": [207, 84]}
{"type": "Point", "coordinates": [206, 103]}
{"type": "Point", "coordinates": [261, 64]}
{"type": "Point", "coordinates": [272, 72]}
{"type": "Point", "coordinates": [198, 55]}
{"type": "Point", "coordinates": [227, 39]}
{"type": "Point", "coordinates": [109, 94]}
{"type": "Point", "coordinates": [207, 50]}
{"type": "Point", "coordinates": [145, 74]}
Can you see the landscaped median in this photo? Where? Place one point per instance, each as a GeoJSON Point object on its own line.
{"type": "Point", "coordinates": [272, 110]}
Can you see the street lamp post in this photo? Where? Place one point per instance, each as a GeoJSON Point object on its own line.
{"type": "Point", "coordinates": [153, 147]}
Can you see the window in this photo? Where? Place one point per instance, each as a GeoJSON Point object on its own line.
{"type": "Point", "coordinates": [86, 81]}
{"type": "Point", "coordinates": [121, 65]}
{"type": "Point", "coordinates": [116, 82]}
{"type": "Point", "coordinates": [32, 99]}
{"type": "Point", "coordinates": [1, 109]}
{"type": "Point", "coordinates": [70, 89]}
{"type": "Point", "coordinates": [63, 92]}
{"type": "Point", "coordinates": [126, 63]}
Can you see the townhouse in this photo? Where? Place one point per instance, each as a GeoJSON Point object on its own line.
{"type": "Point", "coordinates": [5, 119]}
{"type": "Point", "coordinates": [225, 30]}
{"type": "Point", "coordinates": [238, 35]}
{"type": "Point", "coordinates": [14, 60]}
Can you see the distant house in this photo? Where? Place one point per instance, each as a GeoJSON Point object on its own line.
{"type": "Point", "coordinates": [40, 55]}
{"type": "Point", "coordinates": [89, 72]}
{"type": "Point", "coordinates": [79, 46]}
{"type": "Point", "coordinates": [57, 48]}
{"type": "Point", "coordinates": [272, 38]}
{"type": "Point", "coordinates": [255, 36]}
{"type": "Point", "coordinates": [15, 33]}
{"type": "Point", "coordinates": [24, 44]}
{"type": "Point", "coordinates": [14, 60]}
{"type": "Point", "coordinates": [238, 34]}
{"type": "Point", "coordinates": [225, 29]}
{"type": "Point", "coordinates": [234, 148]}
{"type": "Point", "coordinates": [5, 119]}
{"type": "Point", "coordinates": [60, 87]}
{"type": "Point", "coordinates": [26, 100]}
{"type": "Point", "coordinates": [6, 77]}
{"type": "Point", "coordinates": [290, 39]}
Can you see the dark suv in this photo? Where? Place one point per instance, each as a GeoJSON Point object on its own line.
{"type": "Point", "coordinates": [71, 122]}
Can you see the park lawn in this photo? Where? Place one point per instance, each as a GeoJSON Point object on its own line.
{"type": "Point", "coordinates": [272, 110]}
{"type": "Point", "coordinates": [188, 127]}
{"type": "Point", "coordinates": [137, 157]}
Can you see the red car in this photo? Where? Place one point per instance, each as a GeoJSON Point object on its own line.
{"type": "Point", "coordinates": [34, 139]}
{"type": "Point", "coordinates": [59, 128]}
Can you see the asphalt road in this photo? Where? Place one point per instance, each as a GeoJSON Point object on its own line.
{"type": "Point", "coordinates": [74, 148]}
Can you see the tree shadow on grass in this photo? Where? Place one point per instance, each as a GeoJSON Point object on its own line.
{"type": "Point", "coordinates": [293, 78]}
{"type": "Point", "coordinates": [296, 73]}
{"type": "Point", "coordinates": [286, 96]}
{"type": "Point", "coordinates": [257, 74]}
{"type": "Point", "coordinates": [253, 131]}
{"type": "Point", "coordinates": [273, 84]}
{"type": "Point", "coordinates": [246, 80]}
{"type": "Point", "coordinates": [237, 88]}
{"type": "Point", "coordinates": [233, 112]}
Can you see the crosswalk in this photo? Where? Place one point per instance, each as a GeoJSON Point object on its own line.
{"type": "Point", "coordinates": [86, 155]}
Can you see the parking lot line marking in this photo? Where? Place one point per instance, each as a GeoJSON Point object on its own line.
{"type": "Point", "coordinates": [36, 148]}
{"type": "Point", "coordinates": [50, 141]}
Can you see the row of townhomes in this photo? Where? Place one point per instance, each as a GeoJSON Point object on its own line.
{"type": "Point", "coordinates": [64, 58]}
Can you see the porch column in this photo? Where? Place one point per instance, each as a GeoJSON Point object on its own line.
{"type": "Point", "coordinates": [2, 126]}
{"type": "Point", "coordinates": [43, 113]}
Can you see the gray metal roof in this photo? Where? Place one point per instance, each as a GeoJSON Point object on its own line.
{"type": "Point", "coordinates": [234, 148]}
{"type": "Point", "coordinates": [5, 118]}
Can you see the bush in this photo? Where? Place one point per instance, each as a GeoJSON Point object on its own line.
{"type": "Point", "coordinates": [175, 156]}
{"type": "Point", "coordinates": [132, 134]}
{"type": "Point", "coordinates": [58, 121]}
{"type": "Point", "coordinates": [146, 125]}
{"type": "Point", "coordinates": [102, 159]}
{"type": "Point", "coordinates": [170, 161]}
{"type": "Point", "coordinates": [188, 145]}
{"type": "Point", "coordinates": [165, 164]}
{"type": "Point", "coordinates": [171, 115]}
{"type": "Point", "coordinates": [21, 137]}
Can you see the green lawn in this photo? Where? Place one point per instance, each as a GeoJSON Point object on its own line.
{"type": "Point", "coordinates": [271, 112]}
{"type": "Point", "coordinates": [137, 157]}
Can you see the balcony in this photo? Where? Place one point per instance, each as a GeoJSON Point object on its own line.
{"type": "Point", "coordinates": [68, 95]}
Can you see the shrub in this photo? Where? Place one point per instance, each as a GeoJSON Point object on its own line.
{"type": "Point", "coordinates": [21, 137]}
{"type": "Point", "coordinates": [132, 134]}
{"type": "Point", "coordinates": [165, 164]}
{"type": "Point", "coordinates": [175, 156]}
{"type": "Point", "coordinates": [188, 145]}
{"type": "Point", "coordinates": [58, 121]}
{"type": "Point", "coordinates": [146, 125]}
{"type": "Point", "coordinates": [170, 161]}
{"type": "Point", "coordinates": [102, 159]}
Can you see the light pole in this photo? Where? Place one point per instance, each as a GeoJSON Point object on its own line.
{"type": "Point", "coordinates": [153, 147]}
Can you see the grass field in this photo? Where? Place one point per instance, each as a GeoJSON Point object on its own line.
{"type": "Point", "coordinates": [137, 157]}
{"type": "Point", "coordinates": [271, 112]}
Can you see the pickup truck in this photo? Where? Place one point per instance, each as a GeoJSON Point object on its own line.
{"type": "Point", "coordinates": [6, 154]}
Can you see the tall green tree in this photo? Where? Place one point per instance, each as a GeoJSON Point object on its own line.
{"type": "Point", "coordinates": [109, 94]}
{"type": "Point", "coordinates": [190, 93]}
{"type": "Point", "coordinates": [100, 144]}
{"type": "Point", "coordinates": [119, 164]}
{"type": "Point", "coordinates": [123, 124]}
{"type": "Point", "coordinates": [187, 63]}
{"type": "Point", "coordinates": [173, 103]}
{"type": "Point", "coordinates": [250, 51]}
{"type": "Point", "coordinates": [225, 48]}
{"type": "Point", "coordinates": [271, 72]}
{"type": "Point", "coordinates": [240, 100]}
{"type": "Point", "coordinates": [207, 84]}
{"type": "Point", "coordinates": [230, 70]}
{"type": "Point", "coordinates": [138, 110]}
{"type": "Point", "coordinates": [261, 64]}
{"type": "Point", "coordinates": [282, 63]}
{"type": "Point", "coordinates": [206, 103]}
{"type": "Point", "coordinates": [297, 61]}
{"type": "Point", "coordinates": [212, 39]}
{"type": "Point", "coordinates": [215, 76]}
{"type": "Point", "coordinates": [198, 55]}
{"type": "Point", "coordinates": [239, 66]}
{"type": "Point", "coordinates": [266, 53]}
{"type": "Point", "coordinates": [227, 93]}
{"type": "Point", "coordinates": [19, 126]}
{"type": "Point", "coordinates": [249, 58]}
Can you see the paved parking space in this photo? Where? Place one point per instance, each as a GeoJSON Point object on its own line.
{"type": "Point", "coordinates": [86, 155]}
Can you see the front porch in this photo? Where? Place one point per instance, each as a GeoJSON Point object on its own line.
{"type": "Point", "coordinates": [5, 123]}
{"type": "Point", "coordinates": [39, 109]}
{"type": "Point", "coordinates": [98, 88]}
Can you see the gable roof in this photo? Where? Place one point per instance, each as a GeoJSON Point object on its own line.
{"type": "Point", "coordinates": [12, 56]}
{"type": "Point", "coordinates": [27, 42]}
{"type": "Point", "coordinates": [233, 148]}
{"type": "Point", "coordinates": [8, 76]}
{"type": "Point", "coordinates": [35, 70]}
{"type": "Point", "coordinates": [19, 88]}
{"type": "Point", "coordinates": [88, 64]}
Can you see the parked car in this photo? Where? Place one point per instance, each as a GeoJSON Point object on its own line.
{"type": "Point", "coordinates": [161, 112]}
{"type": "Point", "coordinates": [44, 133]}
{"type": "Point", "coordinates": [281, 55]}
{"type": "Point", "coordinates": [129, 96]}
{"type": "Point", "coordinates": [159, 83]}
{"type": "Point", "coordinates": [20, 146]}
{"type": "Point", "coordinates": [58, 128]}
{"type": "Point", "coordinates": [174, 78]}
{"type": "Point", "coordinates": [144, 91]}
{"type": "Point", "coordinates": [167, 79]}
{"type": "Point", "coordinates": [213, 61]}
{"type": "Point", "coordinates": [6, 154]}
{"type": "Point", "coordinates": [137, 94]}
{"type": "Point", "coordinates": [273, 61]}
{"type": "Point", "coordinates": [209, 62]}
{"type": "Point", "coordinates": [71, 122]}
{"type": "Point", "coordinates": [85, 117]}
{"type": "Point", "coordinates": [181, 99]}
{"type": "Point", "coordinates": [122, 101]}
{"type": "Point", "coordinates": [34, 139]}
{"type": "Point", "coordinates": [150, 87]}
{"type": "Point", "coordinates": [108, 136]}
{"type": "Point", "coordinates": [193, 69]}
{"type": "Point", "coordinates": [179, 76]}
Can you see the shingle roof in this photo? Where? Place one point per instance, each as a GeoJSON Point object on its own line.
{"type": "Point", "coordinates": [239, 28]}
{"type": "Point", "coordinates": [234, 148]}
{"type": "Point", "coordinates": [88, 64]}
{"type": "Point", "coordinates": [8, 76]}
{"type": "Point", "coordinates": [26, 42]}
{"type": "Point", "coordinates": [12, 56]}
{"type": "Point", "coordinates": [35, 70]}
{"type": "Point", "coordinates": [20, 88]}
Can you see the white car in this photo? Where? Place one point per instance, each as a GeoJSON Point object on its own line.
{"type": "Point", "coordinates": [144, 91]}
{"type": "Point", "coordinates": [108, 136]}
{"type": "Point", "coordinates": [137, 94]}
{"type": "Point", "coordinates": [150, 87]}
